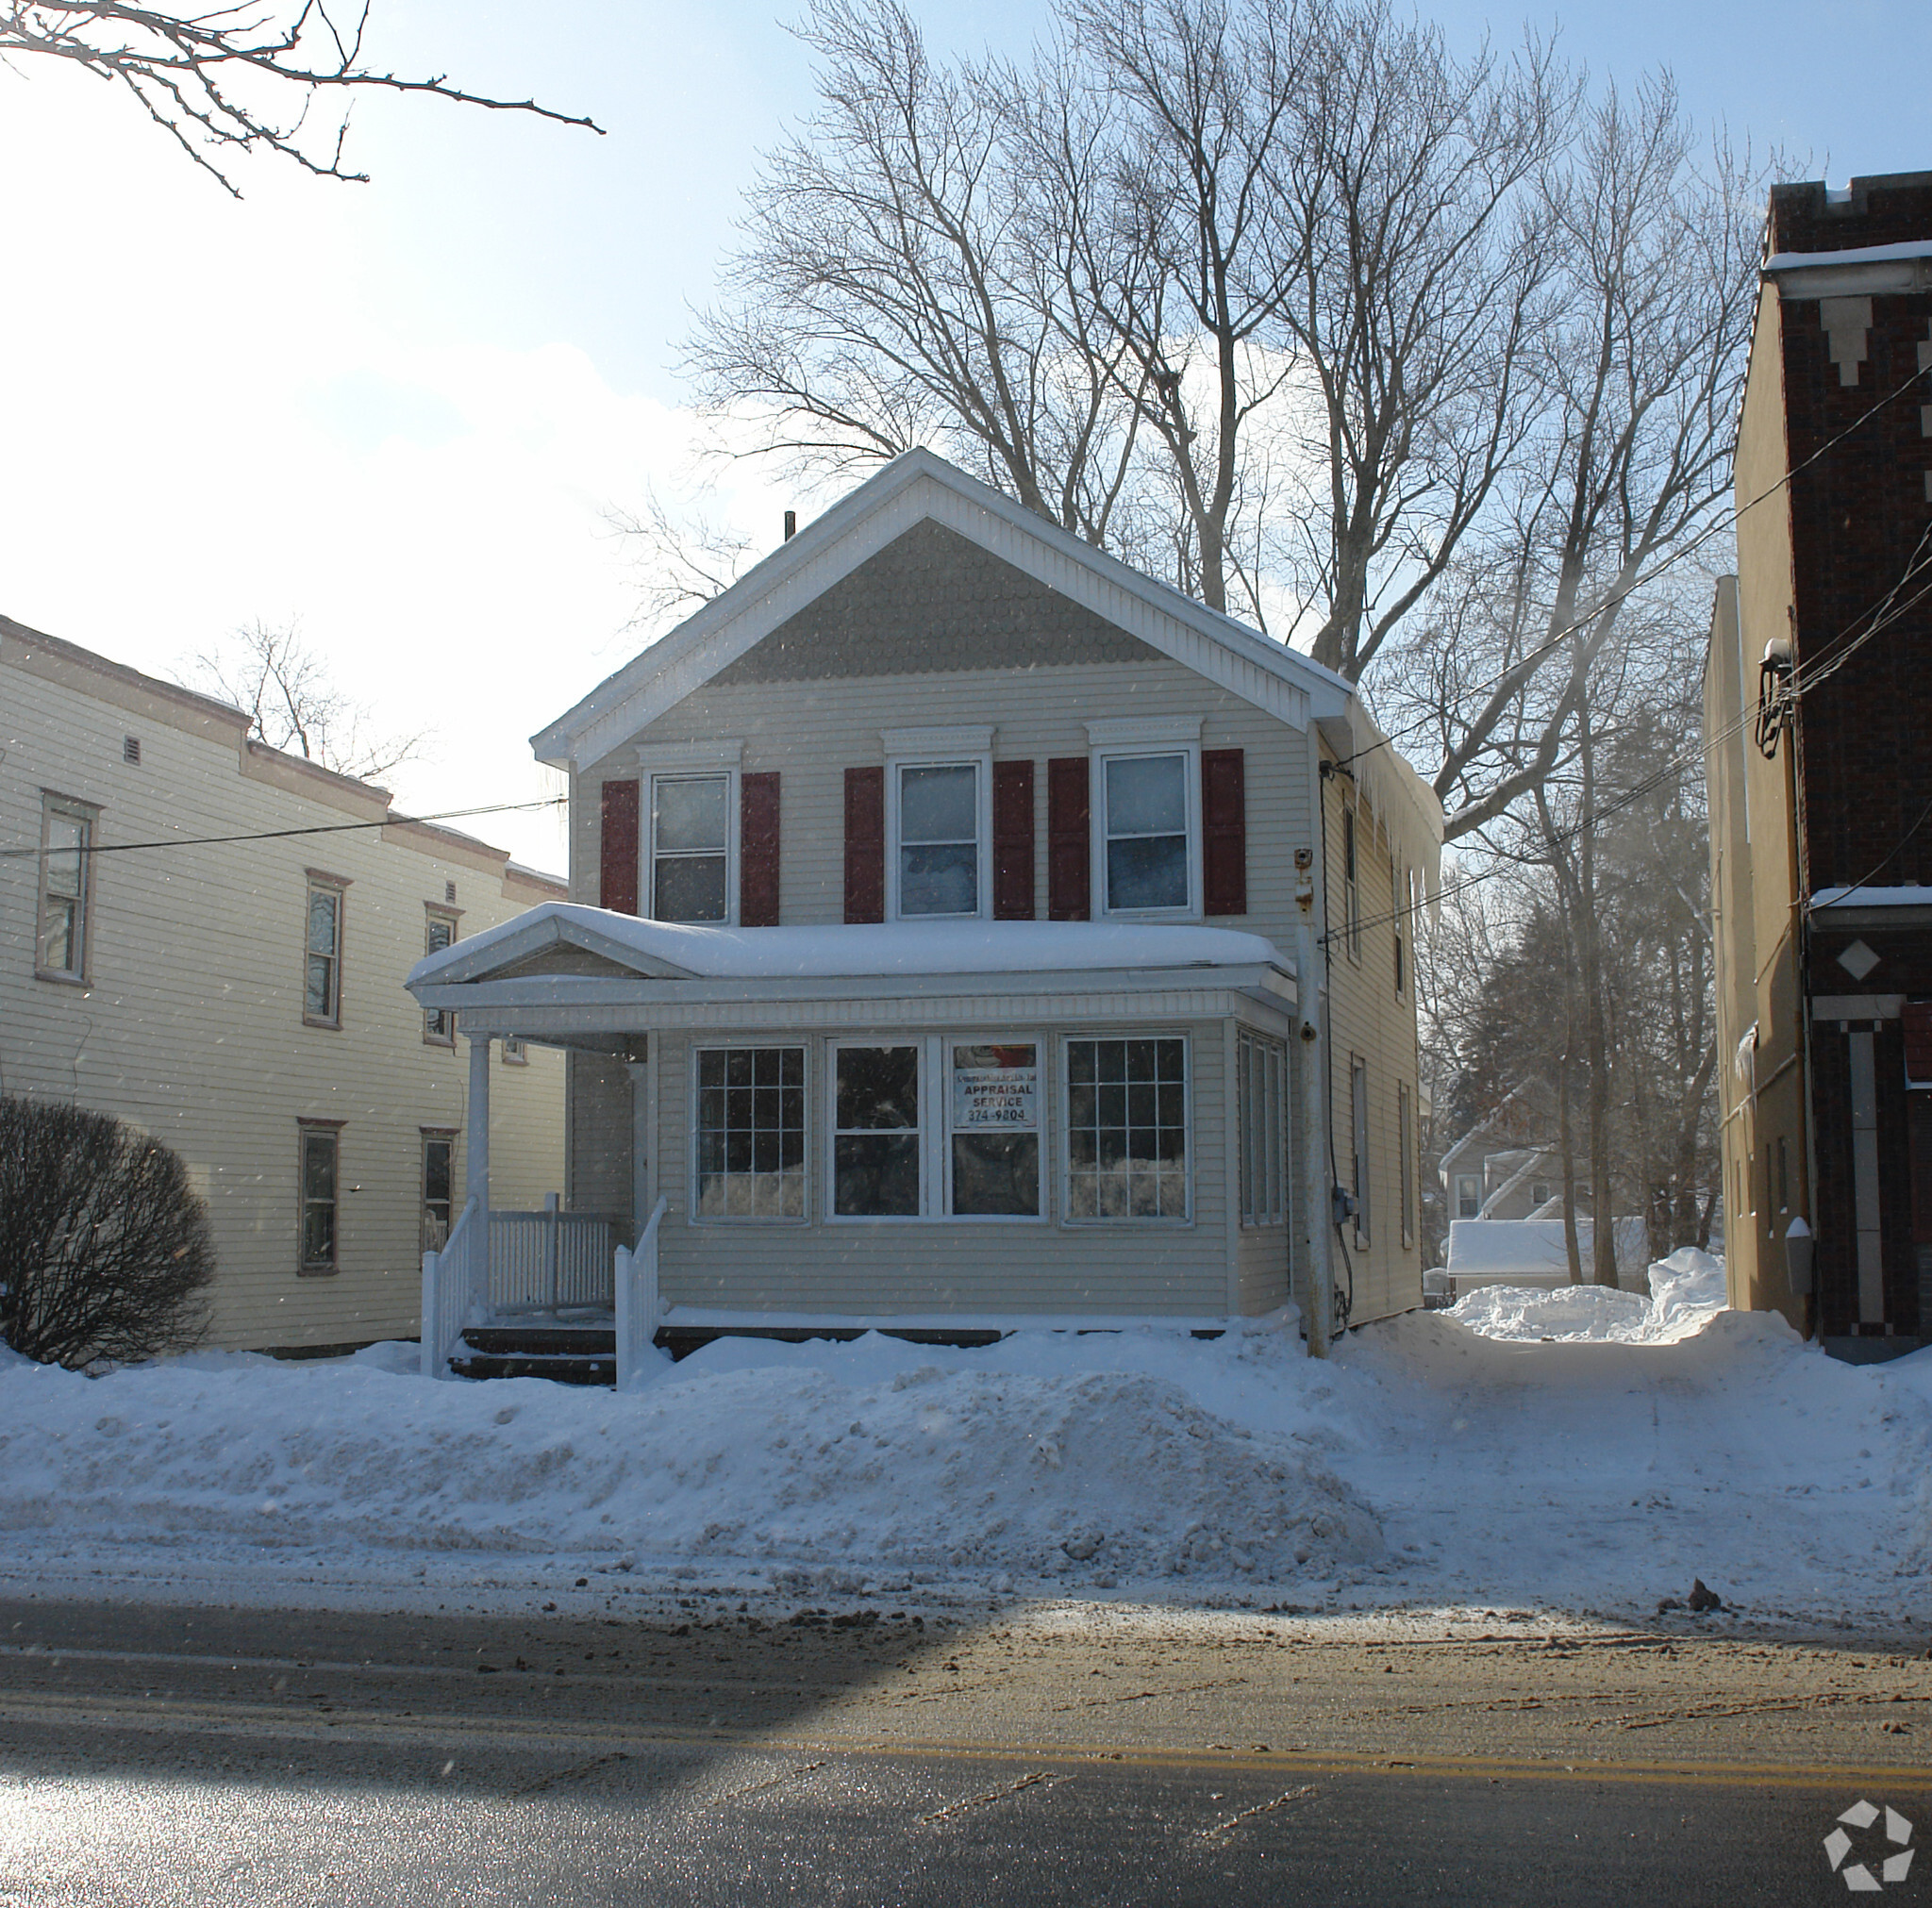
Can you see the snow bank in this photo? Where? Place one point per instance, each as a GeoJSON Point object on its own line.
{"type": "Point", "coordinates": [1686, 1291]}
{"type": "Point", "coordinates": [881, 1459]}
{"type": "Point", "coordinates": [1442, 1458]}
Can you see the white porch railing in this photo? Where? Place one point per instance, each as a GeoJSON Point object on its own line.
{"type": "Point", "coordinates": [636, 1276]}
{"type": "Point", "coordinates": [544, 1261]}
{"type": "Point", "coordinates": [448, 1292]}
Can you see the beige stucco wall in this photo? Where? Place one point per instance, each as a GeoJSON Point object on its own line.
{"type": "Point", "coordinates": [190, 1025]}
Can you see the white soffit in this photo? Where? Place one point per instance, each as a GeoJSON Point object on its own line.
{"type": "Point", "coordinates": [913, 486]}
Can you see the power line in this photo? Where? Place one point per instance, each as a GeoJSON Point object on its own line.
{"type": "Point", "coordinates": [390, 821]}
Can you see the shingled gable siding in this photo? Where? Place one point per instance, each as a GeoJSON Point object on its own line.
{"type": "Point", "coordinates": [617, 854]}
{"type": "Point", "coordinates": [1013, 841]}
{"type": "Point", "coordinates": [931, 603]}
{"type": "Point", "coordinates": [758, 849]}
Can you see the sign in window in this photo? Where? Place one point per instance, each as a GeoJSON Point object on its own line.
{"type": "Point", "coordinates": [994, 1115]}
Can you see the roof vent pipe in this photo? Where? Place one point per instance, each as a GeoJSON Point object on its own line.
{"type": "Point", "coordinates": [790, 525]}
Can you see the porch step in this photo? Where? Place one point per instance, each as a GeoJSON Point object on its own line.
{"type": "Point", "coordinates": [566, 1355]}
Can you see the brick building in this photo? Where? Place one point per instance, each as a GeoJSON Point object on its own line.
{"type": "Point", "coordinates": [1820, 771]}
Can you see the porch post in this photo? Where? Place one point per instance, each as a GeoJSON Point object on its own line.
{"type": "Point", "coordinates": [641, 1140]}
{"type": "Point", "coordinates": [477, 1163]}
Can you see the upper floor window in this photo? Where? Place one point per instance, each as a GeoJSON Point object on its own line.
{"type": "Point", "coordinates": [1398, 888]}
{"type": "Point", "coordinates": [1469, 1195]}
{"type": "Point", "coordinates": [1147, 813]}
{"type": "Point", "coordinates": [690, 848]}
{"type": "Point", "coordinates": [1359, 1124]}
{"type": "Point", "coordinates": [67, 839]}
{"type": "Point", "coordinates": [439, 1023]}
{"type": "Point", "coordinates": [939, 822]}
{"type": "Point", "coordinates": [322, 984]}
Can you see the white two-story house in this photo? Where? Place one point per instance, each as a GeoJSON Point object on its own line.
{"type": "Point", "coordinates": [966, 930]}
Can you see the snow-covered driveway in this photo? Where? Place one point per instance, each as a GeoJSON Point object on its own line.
{"type": "Point", "coordinates": [1580, 1451]}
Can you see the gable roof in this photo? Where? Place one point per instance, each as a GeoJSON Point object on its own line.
{"type": "Point", "coordinates": [914, 486]}
{"type": "Point", "coordinates": [917, 486]}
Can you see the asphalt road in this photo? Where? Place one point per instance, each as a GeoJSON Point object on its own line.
{"type": "Point", "coordinates": [155, 1757]}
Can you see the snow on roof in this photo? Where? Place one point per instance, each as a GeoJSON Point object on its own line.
{"type": "Point", "coordinates": [903, 948]}
{"type": "Point", "coordinates": [1909, 896]}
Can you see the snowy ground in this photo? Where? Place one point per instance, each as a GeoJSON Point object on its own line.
{"type": "Point", "coordinates": [1581, 1451]}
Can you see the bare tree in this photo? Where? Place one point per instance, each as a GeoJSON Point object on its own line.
{"type": "Point", "coordinates": [294, 704]}
{"type": "Point", "coordinates": [105, 1248]}
{"type": "Point", "coordinates": [680, 561]}
{"type": "Point", "coordinates": [234, 80]}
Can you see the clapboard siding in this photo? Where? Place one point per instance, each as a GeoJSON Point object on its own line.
{"type": "Point", "coordinates": [946, 1266]}
{"type": "Point", "coordinates": [1367, 1018]}
{"type": "Point", "coordinates": [191, 1024]}
{"type": "Point", "coordinates": [812, 731]}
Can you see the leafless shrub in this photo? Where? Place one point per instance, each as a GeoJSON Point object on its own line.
{"type": "Point", "coordinates": [103, 1246]}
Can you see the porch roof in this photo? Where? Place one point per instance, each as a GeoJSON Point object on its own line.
{"type": "Point", "coordinates": [573, 966]}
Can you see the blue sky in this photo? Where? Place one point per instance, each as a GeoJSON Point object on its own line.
{"type": "Point", "coordinates": [401, 410]}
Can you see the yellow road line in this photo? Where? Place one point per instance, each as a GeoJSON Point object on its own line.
{"type": "Point", "coordinates": [153, 1717]}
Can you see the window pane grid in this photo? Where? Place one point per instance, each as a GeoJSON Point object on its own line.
{"type": "Point", "coordinates": [1126, 1129]}
{"type": "Point", "coordinates": [750, 1132]}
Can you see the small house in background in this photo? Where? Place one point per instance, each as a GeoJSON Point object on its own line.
{"type": "Point", "coordinates": [1507, 1165]}
{"type": "Point", "coordinates": [206, 938]}
{"type": "Point", "coordinates": [1820, 776]}
{"type": "Point", "coordinates": [965, 929]}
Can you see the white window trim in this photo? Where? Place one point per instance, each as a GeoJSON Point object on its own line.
{"type": "Point", "coordinates": [1064, 1124]}
{"type": "Point", "coordinates": [730, 1221]}
{"type": "Point", "coordinates": [981, 764]}
{"type": "Point", "coordinates": [1257, 1215]}
{"type": "Point", "coordinates": [929, 1112]}
{"type": "Point", "coordinates": [689, 772]}
{"type": "Point", "coordinates": [1042, 1063]}
{"type": "Point", "coordinates": [936, 1126]}
{"type": "Point", "coordinates": [88, 815]}
{"type": "Point", "coordinates": [1097, 809]}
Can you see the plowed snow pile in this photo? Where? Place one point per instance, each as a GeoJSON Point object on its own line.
{"type": "Point", "coordinates": [1576, 1450]}
{"type": "Point", "coordinates": [1686, 1291]}
{"type": "Point", "coordinates": [876, 1461]}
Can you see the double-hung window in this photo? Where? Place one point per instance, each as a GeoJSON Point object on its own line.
{"type": "Point", "coordinates": [1146, 805]}
{"type": "Point", "coordinates": [877, 1164]}
{"type": "Point", "coordinates": [938, 820]}
{"type": "Point", "coordinates": [1406, 1139]}
{"type": "Point", "coordinates": [321, 980]}
{"type": "Point", "coordinates": [1263, 1131]}
{"type": "Point", "coordinates": [67, 839]}
{"type": "Point", "coordinates": [320, 1156]}
{"type": "Point", "coordinates": [1128, 1128]}
{"type": "Point", "coordinates": [690, 848]}
{"type": "Point", "coordinates": [1351, 887]}
{"type": "Point", "coordinates": [750, 1132]}
{"type": "Point", "coordinates": [937, 1127]}
{"type": "Point", "coordinates": [1358, 1127]}
{"type": "Point", "coordinates": [440, 931]}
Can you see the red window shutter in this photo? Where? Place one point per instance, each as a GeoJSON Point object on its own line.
{"type": "Point", "coordinates": [865, 844]}
{"type": "Point", "coordinates": [1918, 1026]}
{"type": "Point", "coordinates": [617, 866]}
{"type": "Point", "coordinates": [1224, 833]}
{"type": "Point", "coordinates": [1013, 841]}
{"type": "Point", "coordinates": [1069, 843]}
{"type": "Point", "coordinates": [758, 849]}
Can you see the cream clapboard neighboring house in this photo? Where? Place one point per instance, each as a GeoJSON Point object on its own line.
{"type": "Point", "coordinates": [966, 929]}
{"type": "Point", "coordinates": [241, 999]}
